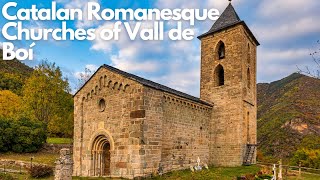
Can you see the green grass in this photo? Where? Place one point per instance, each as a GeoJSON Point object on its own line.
{"type": "Point", "coordinates": [212, 173]}
{"type": "Point", "coordinates": [305, 176]}
{"type": "Point", "coordinates": [26, 176]}
{"type": "Point", "coordinates": [59, 141]}
{"type": "Point", "coordinates": [44, 158]}
{"type": "Point", "coordinates": [310, 177]}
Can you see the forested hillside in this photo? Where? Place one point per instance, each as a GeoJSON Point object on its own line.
{"type": "Point", "coordinates": [13, 75]}
{"type": "Point", "coordinates": [289, 117]}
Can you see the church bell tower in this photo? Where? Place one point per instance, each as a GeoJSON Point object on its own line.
{"type": "Point", "coordinates": [228, 80]}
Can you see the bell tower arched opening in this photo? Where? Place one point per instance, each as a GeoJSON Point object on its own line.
{"type": "Point", "coordinates": [221, 50]}
{"type": "Point", "coordinates": [219, 76]}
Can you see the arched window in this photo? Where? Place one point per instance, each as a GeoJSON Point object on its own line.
{"type": "Point", "coordinates": [219, 75]}
{"type": "Point", "coordinates": [102, 105]}
{"type": "Point", "coordinates": [248, 54]}
{"type": "Point", "coordinates": [248, 78]}
{"type": "Point", "coordinates": [221, 50]}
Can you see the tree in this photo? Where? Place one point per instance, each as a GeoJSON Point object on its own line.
{"type": "Point", "coordinates": [11, 82]}
{"type": "Point", "coordinates": [46, 94]}
{"type": "Point", "coordinates": [9, 104]}
{"type": "Point", "coordinates": [84, 77]}
{"type": "Point", "coordinates": [315, 71]}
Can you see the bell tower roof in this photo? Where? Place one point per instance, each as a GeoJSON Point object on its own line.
{"type": "Point", "coordinates": [229, 18]}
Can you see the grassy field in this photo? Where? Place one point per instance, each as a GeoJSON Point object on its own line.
{"type": "Point", "coordinates": [27, 177]}
{"type": "Point", "coordinates": [59, 141]}
{"type": "Point", "coordinates": [44, 158]}
{"type": "Point", "coordinates": [211, 174]}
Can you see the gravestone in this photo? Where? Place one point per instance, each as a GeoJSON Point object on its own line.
{"type": "Point", "coordinates": [63, 169]}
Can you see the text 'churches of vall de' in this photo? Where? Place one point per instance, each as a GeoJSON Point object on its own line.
{"type": "Point", "coordinates": [146, 24]}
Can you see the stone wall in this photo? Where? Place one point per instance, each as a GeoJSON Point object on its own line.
{"type": "Point", "coordinates": [120, 122]}
{"type": "Point", "coordinates": [55, 148]}
{"type": "Point", "coordinates": [185, 133]}
{"type": "Point", "coordinates": [234, 100]}
{"type": "Point", "coordinates": [152, 131]}
{"type": "Point", "coordinates": [64, 164]}
{"type": "Point", "coordinates": [18, 163]}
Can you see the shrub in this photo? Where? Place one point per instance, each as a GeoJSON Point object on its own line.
{"type": "Point", "coordinates": [23, 135]}
{"type": "Point", "coordinates": [40, 171]}
{"type": "Point", "coordinates": [308, 158]}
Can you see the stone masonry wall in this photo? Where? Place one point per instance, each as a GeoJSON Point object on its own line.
{"type": "Point", "coordinates": [152, 131]}
{"type": "Point", "coordinates": [63, 169]}
{"type": "Point", "coordinates": [185, 133]}
{"type": "Point", "coordinates": [249, 89]}
{"type": "Point", "coordinates": [228, 120]}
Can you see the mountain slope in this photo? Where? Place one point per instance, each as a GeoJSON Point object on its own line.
{"type": "Point", "coordinates": [288, 113]}
{"type": "Point", "coordinates": [13, 74]}
{"type": "Point", "coordinates": [14, 67]}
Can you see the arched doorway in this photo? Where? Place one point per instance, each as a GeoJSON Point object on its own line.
{"type": "Point", "coordinates": [100, 162]}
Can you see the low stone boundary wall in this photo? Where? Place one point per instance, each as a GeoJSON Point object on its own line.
{"type": "Point", "coordinates": [55, 148]}
{"type": "Point", "coordinates": [17, 163]}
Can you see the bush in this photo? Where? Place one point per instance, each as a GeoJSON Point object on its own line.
{"type": "Point", "coordinates": [23, 135]}
{"type": "Point", "coordinates": [40, 171]}
{"type": "Point", "coordinates": [308, 158]}
{"type": "Point", "coordinates": [6, 176]}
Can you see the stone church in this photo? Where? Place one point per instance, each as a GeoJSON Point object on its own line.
{"type": "Point", "coordinates": [128, 126]}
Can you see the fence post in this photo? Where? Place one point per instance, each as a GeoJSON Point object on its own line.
{"type": "Point", "coordinates": [286, 174]}
{"type": "Point", "coordinates": [280, 170]}
{"type": "Point", "coordinates": [274, 172]}
{"type": "Point", "coordinates": [300, 170]}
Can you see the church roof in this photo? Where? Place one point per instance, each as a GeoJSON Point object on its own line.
{"type": "Point", "coordinates": [155, 85]}
{"type": "Point", "coordinates": [228, 18]}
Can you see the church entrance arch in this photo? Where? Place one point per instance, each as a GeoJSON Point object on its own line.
{"type": "Point", "coordinates": [101, 155]}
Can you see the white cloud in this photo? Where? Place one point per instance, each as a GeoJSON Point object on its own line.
{"type": "Point", "coordinates": [280, 20]}
{"type": "Point", "coordinates": [185, 80]}
{"type": "Point", "coordinates": [277, 31]}
{"type": "Point", "coordinates": [91, 67]}
{"type": "Point", "coordinates": [281, 55]}
{"type": "Point", "coordinates": [283, 9]}
{"type": "Point", "coordinates": [131, 55]}
{"type": "Point", "coordinates": [83, 5]}
{"type": "Point", "coordinates": [274, 64]}
{"type": "Point", "coordinates": [207, 4]}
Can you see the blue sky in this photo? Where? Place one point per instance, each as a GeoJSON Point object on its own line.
{"type": "Point", "coordinates": [286, 29]}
